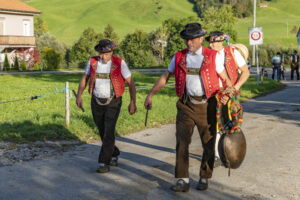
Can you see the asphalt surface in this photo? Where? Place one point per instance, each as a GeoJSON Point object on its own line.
{"type": "Point", "coordinates": [271, 169]}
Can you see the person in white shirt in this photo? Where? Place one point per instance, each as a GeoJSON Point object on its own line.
{"type": "Point", "coordinates": [196, 83]}
{"type": "Point", "coordinates": [216, 39]}
{"type": "Point", "coordinates": [107, 75]}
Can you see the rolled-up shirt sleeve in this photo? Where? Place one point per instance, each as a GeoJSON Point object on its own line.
{"type": "Point", "coordinates": [125, 70]}
{"type": "Point", "coordinates": [240, 61]}
{"type": "Point", "coordinates": [87, 69]}
{"type": "Point", "coordinates": [171, 67]}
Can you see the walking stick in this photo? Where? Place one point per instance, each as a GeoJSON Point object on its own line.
{"type": "Point", "coordinates": [146, 119]}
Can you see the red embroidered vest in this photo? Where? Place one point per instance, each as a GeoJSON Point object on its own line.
{"type": "Point", "coordinates": [231, 66]}
{"type": "Point", "coordinates": [208, 73]}
{"type": "Point", "coordinates": [115, 75]}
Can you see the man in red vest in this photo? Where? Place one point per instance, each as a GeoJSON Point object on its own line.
{"type": "Point", "coordinates": [233, 61]}
{"type": "Point", "coordinates": [107, 75]}
{"type": "Point", "coordinates": [197, 81]}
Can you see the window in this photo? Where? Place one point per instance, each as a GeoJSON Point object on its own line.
{"type": "Point", "coordinates": [26, 28]}
{"type": "Point", "coordinates": [1, 26]}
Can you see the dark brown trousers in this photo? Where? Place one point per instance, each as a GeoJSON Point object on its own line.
{"type": "Point", "coordinates": [204, 117]}
{"type": "Point", "coordinates": [105, 117]}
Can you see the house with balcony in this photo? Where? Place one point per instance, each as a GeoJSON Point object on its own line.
{"type": "Point", "coordinates": [17, 31]}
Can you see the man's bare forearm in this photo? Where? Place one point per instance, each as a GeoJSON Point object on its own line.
{"type": "Point", "coordinates": [132, 90]}
{"type": "Point", "coordinates": [82, 84]}
{"type": "Point", "coordinates": [243, 78]}
{"type": "Point", "coordinates": [160, 83]}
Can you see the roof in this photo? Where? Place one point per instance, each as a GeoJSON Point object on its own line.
{"type": "Point", "coordinates": [16, 6]}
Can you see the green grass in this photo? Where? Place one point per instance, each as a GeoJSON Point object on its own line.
{"type": "Point", "coordinates": [68, 18]}
{"type": "Point", "coordinates": [43, 118]}
{"type": "Point", "coordinates": [276, 19]}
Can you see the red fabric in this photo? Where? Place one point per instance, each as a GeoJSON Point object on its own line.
{"type": "Point", "coordinates": [209, 76]}
{"type": "Point", "coordinates": [230, 66]}
{"type": "Point", "coordinates": [116, 77]}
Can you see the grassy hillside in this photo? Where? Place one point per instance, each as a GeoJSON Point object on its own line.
{"type": "Point", "coordinates": [276, 19]}
{"type": "Point", "coordinates": [68, 18]}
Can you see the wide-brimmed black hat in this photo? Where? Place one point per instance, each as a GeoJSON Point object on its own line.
{"type": "Point", "coordinates": [105, 46]}
{"type": "Point", "coordinates": [216, 36]}
{"type": "Point", "coordinates": [192, 30]}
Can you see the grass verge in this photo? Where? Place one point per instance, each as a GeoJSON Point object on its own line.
{"type": "Point", "coordinates": [44, 118]}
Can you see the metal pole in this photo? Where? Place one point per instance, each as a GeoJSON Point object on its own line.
{"type": "Point", "coordinates": [67, 104]}
{"type": "Point", "coordinates": [254, 24]}
{"type": "Point", "coordinates": [257, 67]}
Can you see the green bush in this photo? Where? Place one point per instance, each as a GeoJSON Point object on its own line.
{"type": "Point", "coordinates": [52, 58]}
{"type": "Point", "coordinates": [16, 63]}
{"type": "Point", "coordinates": [23, 65]}
{"type": "Point", "coordinates": [6, 63]}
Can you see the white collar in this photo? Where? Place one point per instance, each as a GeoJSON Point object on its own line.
{"type": "Point", "coordinates": [198, 52]}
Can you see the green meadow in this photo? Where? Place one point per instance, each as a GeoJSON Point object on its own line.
{"type": "Point", "coordinates": [68, 18]}
{"type": "Point", "coordinates": [44, 118]}
{"type": "Point", "coordinates": [277, 20]}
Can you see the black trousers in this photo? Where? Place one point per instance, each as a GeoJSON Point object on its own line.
{"type": "Point", "coordinates": [204, 117]}
{"type": "Point", "coordinates": [105, 117]}
{"type": "Point", "coordinates": [296, 68]}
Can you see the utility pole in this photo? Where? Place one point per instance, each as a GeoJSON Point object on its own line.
{"type": "Point", "coordinates": [254, 24]}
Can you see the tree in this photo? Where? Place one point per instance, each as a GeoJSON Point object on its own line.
{"type": "Point", "coordinates": [220, 19]}
{"type": "Point", "coordinates": [6, 63]}
{"type": "Point", "coordinates": [67, 57]}
{"type": "Point", "coordinates": [23, 65]}
{"type": "Point", "coordinates": [83, 49]}
{"type": "Point", "coordinates": [159, 42]}
{"type": "Point", "coordinates": [110, 34]}
{"type": "Point", "coordinates": [50, 41]}
{"type": "Point", "coordinates": [136, 49]}
{"type": "Point", "coordinates": [40, 26]}
{"type": "Point", "coordinates": [16, 63]}
{"type": "Point", "coordinates": [52, 58]}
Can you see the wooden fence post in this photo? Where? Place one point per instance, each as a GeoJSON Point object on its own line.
{"type": "Point", "coordinates": [67, 104]}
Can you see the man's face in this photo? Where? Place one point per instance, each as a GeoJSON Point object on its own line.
{"type": "Point", "coordinates": [105, 57]}
{"type": "Point", "coordinates": [216, 45]}
{"type": "Point", "coordinates": [194, 44]}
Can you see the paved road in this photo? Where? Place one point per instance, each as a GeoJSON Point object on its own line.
{"type": "Point", "coordinates": [146, 165]}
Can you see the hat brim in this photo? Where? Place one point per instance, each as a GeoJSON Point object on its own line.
{"type": "Point", "coordinates": [187, 36]}
{"type": "Point", "coordinates": [208, 40]}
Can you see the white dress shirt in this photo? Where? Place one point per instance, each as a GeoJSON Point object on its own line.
{"type": "Point", "coordinates": [102, 86]}
{"type": "Point", "coordinates": [194, 85]}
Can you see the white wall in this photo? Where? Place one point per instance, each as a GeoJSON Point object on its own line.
{"type": "Point", "coordinates": [14, 24]}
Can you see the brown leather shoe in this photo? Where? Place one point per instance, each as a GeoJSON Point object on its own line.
{"type": "Point", "coordinates": [103, 169]}
{"type": "Point", "coordinates": [181, 186]}
{"type": "Point", "coordinates": [202, 184]}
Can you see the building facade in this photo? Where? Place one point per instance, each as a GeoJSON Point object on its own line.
{"type": "Point", "coordinates": [17, 32]}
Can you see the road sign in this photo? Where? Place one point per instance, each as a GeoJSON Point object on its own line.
{"type": "Point", "coordinates": [255, 35]}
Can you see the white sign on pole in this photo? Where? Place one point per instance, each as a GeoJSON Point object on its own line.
{"type": "Point", "coordinates": [255, 35]}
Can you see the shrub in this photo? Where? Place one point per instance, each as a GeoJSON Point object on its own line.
{"type": "Point", "coordinates": [16, 63]}
{"type": "Point", "coordinates": [6, 63]}
{"type": "Point", "coordinates": [23, 65]}
{"type": "Point", "coordinates": [52, 58]}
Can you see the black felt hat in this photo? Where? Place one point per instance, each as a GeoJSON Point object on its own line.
{"type": "Point", "coordinates": [105, 46]}
{"type": "Point", "coordinates": [192, 30]}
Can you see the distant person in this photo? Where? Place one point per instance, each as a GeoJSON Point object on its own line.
{"type": "Point", "coordinates": [276, 65]}
{"type": "Point", "coordinates": [294, 60]}
{"type": "Point", "coordinates": [282, 71]}
{"type": "Point", "coordinates": [107, 75]}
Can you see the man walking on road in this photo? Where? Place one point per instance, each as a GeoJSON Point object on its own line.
{"type": "Point", "coordinates": [233, 61]}
{"type": "Point", "coordinates": [196, 82]}
{"type": "Point", "coordinates": [107, 75]}
{"type": "Point", "coordinates": [276, 64]}
{"type": "Point", "coordinates": [294, 59]}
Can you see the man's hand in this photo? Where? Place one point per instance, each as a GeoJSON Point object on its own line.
{"type": "Point", "coordinates": [132, 108]}
{"type": "Point", "coordinates": [79, 101]}
{"type": "Point", "coordinates": [148, 103]}
{"type": "Point", "coordinates": [224, 99]}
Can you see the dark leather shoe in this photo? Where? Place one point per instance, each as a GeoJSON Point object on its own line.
{"type": "Point", "coordinates": [181, 186]}
{"type": "Point", "coordinates": [114, 162]}
{"type": "Point", "coordinates": [103, 169]}
{"type": "Point", "coordinates": [202, 184]}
